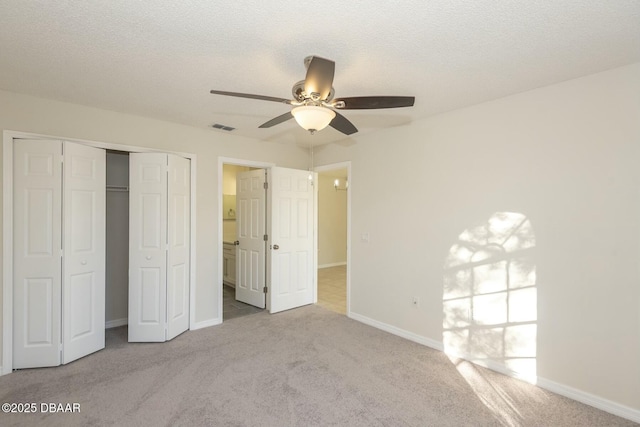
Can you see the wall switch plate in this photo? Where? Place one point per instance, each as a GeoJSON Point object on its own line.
{"type": "Point", "coordinates": [415, 301]}
{"type": "Point", "coordinates": [364, 237]}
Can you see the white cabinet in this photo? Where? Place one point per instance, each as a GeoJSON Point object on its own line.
{"type": "Point", "coordinates": [229, 264]}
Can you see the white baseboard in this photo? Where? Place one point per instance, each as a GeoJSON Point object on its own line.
{"type": "Point", "coordinates": [397, 331]}
{"type": "Point", "coordinates": [590, 399]}
{"type": "Point", "coordinates": [334, 264]}
{"type": "Point", "coordinates": [563, 390]}
{"type": "Point", "coordinates": [206, 324]}
{"type": "Point", "coordinates": [116, 322]}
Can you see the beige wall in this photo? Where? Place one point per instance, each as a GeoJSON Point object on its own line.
{"type": "Point", "coordinates": [229, 173]}
{"type": "Point", "coordinates": [29, 114]}
{"type": "Point", "coordinates": [567, 157]}
{"type": "Point", "coordinates": [332, 220]}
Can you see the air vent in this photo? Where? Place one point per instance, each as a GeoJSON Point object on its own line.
{"type": "Point", "coordinates": [223, 127]}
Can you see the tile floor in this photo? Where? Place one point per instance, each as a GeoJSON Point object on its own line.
{"type": "Point", "coordinates": [332, 288]}
{"type": "Point", "coordinates": [332, 294]}
{"type": "Point", "coordinates": [232, 308]}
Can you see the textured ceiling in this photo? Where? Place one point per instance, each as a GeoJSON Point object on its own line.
{"type": "Point", "coordinates": [160, 58]}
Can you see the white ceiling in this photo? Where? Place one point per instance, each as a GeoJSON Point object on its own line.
{"type": "Point", "coordinates": [160, 58]}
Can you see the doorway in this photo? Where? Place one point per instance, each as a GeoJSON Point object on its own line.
{"type": "Point", "coordinates": [285, 268]}
{"type": "Point", "coordinates": [234, 302]}
{"type": "Point", "coordinates": [334, 186]}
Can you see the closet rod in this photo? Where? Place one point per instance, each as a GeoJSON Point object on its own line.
{"type": "Point", "coordinates": [117, 188]}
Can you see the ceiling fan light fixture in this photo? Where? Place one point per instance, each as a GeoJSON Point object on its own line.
{"type": "Point", "coordinates": [312, 117]}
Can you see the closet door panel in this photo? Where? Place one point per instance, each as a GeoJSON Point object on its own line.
{"type": "Point", "coordinates": [37, 243]}
{"type": "Point", "coordinates": [178, 255]}
{"type": "Point", "coordinates": [83, 293]}
{"type": "Point", "coordinates": [147, 247]}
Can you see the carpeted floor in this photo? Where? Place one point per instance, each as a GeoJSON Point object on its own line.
{"type": "Point", "coordinates": [304, 367]}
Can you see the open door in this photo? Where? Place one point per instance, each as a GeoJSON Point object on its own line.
{"type": "Point", "coordinates": [159, 259]}
{"type": "Point", "coordinates": [83, 284]}
{"type": "Point", "coordinates": [251, 231]}
{"type": "Point", "coordinates": [292, 257]}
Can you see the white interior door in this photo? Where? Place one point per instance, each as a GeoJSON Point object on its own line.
{"type": "Point", "coordinates": [83, 284]}
{"type": "Point", "coordinates": [250, 232]}
{"type": "Point", "coordinates": [147, 247]}
{"type": "Point", "coordinates": [292, 258]}
{"type": "Point", "coordinates": [179, 215]}
{"type": "Point", "coordinates": [37, 252]}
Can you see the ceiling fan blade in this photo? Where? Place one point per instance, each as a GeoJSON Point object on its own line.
{"type": "Point", "coordinates": [251, 96]}
{"type": "Point", "coordinates": [373, 102]}
{"type": "Point", "coordinates": [277, 120]}
{"type": "Point", "coordinates": [319, 77]}
{"type": "Point", "coordinates": [341, 123]}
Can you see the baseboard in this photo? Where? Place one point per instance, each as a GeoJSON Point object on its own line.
{"type": "Point", "coordinates": [554, 387]}
{"type": "Point", "coordinates": [334, 264]}
{"type": "Point", "coordinates": [116, 322]}
{"type": "Point", "coordinates": [590, 399]}
{"type": "Point", "coordinates": [397, 331]}
{"type": "Point", "coordinates": [206, 324]}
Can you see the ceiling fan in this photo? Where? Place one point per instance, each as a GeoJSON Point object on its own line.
{"type": "Point", "coordinates": [314, 104]}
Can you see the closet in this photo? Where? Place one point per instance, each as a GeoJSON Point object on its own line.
{"type": "Point", "coordinates": [65, 282]}
{"type": "Point", "coordinates": [117, 266]}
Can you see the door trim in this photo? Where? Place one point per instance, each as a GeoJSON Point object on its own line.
{"type": "Point", "coordinates": [237, 162]}
{"type": "Point", "coordinates": [7, 229]}
{"type": "Point", "coordinates": [327, 168]}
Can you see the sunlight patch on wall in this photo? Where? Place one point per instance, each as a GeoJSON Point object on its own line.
{"type": "Point", "coordinates": [490, 295]}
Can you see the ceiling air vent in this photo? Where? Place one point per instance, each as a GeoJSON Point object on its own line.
{"type": "Point", "coordinates": [223, 127]}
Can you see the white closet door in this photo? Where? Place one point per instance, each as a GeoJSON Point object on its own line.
{"type": "Point", "coordinates": [178, 228]}
{"type": "Point", "coordinates": [37, 244]}
{"type": "Point", "coordinates": [147, 247]}
{"type": "Point", "coordinates": [83, 285]}
{"type": "Point", "coordinates": [292, 260]}
{"type": "Point", "coordinates": [250, 231]}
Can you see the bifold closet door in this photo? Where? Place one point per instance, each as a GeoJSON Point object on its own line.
{"type": "Point", "coordinates": [158, 246]}
{"type": "Point", "coordinates": [37, 252]}
{"type": "Point", "coordinates": [83, 284]}
{"type": "Point", "coordinates": [59, 247]}
{"type": "Point", "coordinates": [179, 242]}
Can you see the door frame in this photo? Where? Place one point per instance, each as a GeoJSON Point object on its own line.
{"type": "Point", "coordinates": [327, 168]}
{"type": "Point", "coordinates": [7, 228]}
{"type": "Point", "coordinates": [236, 162]}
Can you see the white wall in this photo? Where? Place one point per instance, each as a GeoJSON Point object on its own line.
{"type": "Point", "coordinates": [30, 114]}
{"type": "Point", "coordinates": [568, 157]}
{"type": "Point", "coordinates": [332, 220]}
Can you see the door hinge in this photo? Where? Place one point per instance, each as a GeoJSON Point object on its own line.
{"type": "Point", "coordinates": [266, 237]}
{"type": "Point", "coordinates": [264, 289]}
{"type": "Point", "coordinates": [265, 185]}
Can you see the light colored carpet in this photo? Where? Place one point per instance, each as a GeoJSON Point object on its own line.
{"type": "Point", "coordinates": [304, 367]}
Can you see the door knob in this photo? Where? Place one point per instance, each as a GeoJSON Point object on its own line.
{"type": "Point", "coordinates": [83, 262]}
{"type": "Point", "coordinates": [236, 243]}
{"type": "Point", "coordinates": [276, 247]}
{"type": "Point", "coordinates": [148, 257]}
